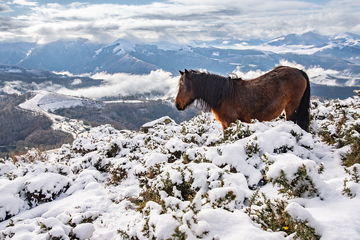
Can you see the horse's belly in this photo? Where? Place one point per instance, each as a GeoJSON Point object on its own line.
{"type": "Point", "coordinates": [271, 112]}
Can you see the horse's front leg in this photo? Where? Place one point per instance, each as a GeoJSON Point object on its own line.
{"type": "Point", "coordinates": [221, 119]}
{"type": "Point", "coordinates": [225, 124]}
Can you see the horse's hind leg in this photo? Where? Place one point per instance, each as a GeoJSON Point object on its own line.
{"type": "Point", "coordinates": [290, 111]}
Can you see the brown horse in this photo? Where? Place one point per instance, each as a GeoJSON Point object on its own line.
{"type": "Point", "coordinates": [263, 98]}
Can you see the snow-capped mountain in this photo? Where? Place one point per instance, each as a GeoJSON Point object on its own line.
{"type": "Point", "coordinates": [344, 46]}
{"type": "Point", "coordinates": [262, 180]}
{"type": "Point", "coordinates": [118, 57]}
{"type": "Point", "coordinates": [340, 52]}
{"type": "Point", "coordinates": [11, 53]}
{"type": "Point", "coordinates": [82, 56]}
{"type": "Point", "coordinates": [309, 38]}
{"type": "Point", "coordinates": [72, 56]}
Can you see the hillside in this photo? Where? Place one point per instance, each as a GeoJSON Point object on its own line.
{"type": "Point", "coordinates": [21, 129]}
{"type": "Point", "coordinates": [126, 114]}
{"type": "Point", "coordinates": [263, 180]}
{"type": "Point", "coordinates": [45, 119]}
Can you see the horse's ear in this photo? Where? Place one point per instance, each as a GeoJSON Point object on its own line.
{"type": "Point", "coordinates": [181, 72]}
{"type": "Point", "coordinates": [186, 71]}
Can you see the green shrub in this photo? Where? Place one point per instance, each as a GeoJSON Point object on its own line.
{"type": "Point", "coordinates": [271, 216]}
{"type": "Point", "coordinates": [353, 156]}
{"type": "Point", "coordinates": [354, 177]}
{"type": "Point", "coordinates": [301, 185]}
{"type": "Point", "coordinates": [252, 148]}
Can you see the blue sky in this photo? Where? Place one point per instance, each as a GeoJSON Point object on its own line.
{"type": "Point", "coordinates": [175, 21]}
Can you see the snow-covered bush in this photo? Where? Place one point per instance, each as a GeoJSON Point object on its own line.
{"type": "Point", "coordinates": [278, 215]}
{"type": "Point", "coordinates": [352, 181]}
{"type": "Point", "coordinates": [32, 155]}
{"type": "Point", "coordinates": [337, 122]}
{"type": "Point", "coordinates": [44, 187]}
{"type": "Point", "coordinates": [294, 177]}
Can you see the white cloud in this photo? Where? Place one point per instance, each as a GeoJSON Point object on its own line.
{"type": "Point", "coordinates": [4, 8]}
{"type": "Point", "coordinates": [25, 3]}
{"type": "Point", "coordinates": [184, 21]}
{"type": "Point", "coordinates": [124, 84]}
{"type": "Point", "coordinates": [76, 81]}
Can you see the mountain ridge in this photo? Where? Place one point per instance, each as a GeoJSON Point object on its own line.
{"type": "Point", "coordinates": [340, 52]}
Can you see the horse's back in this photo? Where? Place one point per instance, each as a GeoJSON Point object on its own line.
{"type": "Point", "coordinates": [285, 79]}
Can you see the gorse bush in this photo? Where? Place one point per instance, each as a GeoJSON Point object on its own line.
{"type": "Point", "coordinates": [351, 181]}
{"type": "Point", "coordinates": [272, 216]}
{"type": "Point", "coordinates": [300, 185]}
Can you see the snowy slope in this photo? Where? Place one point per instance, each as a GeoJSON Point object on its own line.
{"type": "Point", "coordinates": [45, 102]}
{"type": "Point", "coordinates": [191, 180]}
{"type": "Point", "coordinates": [50, 101]}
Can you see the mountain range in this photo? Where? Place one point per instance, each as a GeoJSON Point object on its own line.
{"type": "Point", "coordinates": [339, 52]}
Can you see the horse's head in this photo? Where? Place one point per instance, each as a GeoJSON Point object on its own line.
{"type": "Point", "coordinates": [186, 94]}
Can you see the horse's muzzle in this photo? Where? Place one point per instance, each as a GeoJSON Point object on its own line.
{"type": "Point", "coordinates": [179, 107]}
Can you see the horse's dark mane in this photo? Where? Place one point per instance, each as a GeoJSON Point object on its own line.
{"type": "Point", "coordinates": [211, 89]}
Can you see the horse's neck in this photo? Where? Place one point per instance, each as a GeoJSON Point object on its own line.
{"type": "Point", "coordinates": [213, 93]}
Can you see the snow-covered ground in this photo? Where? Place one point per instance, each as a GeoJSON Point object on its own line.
{"type": "Point", "coordinates": [264, 180]}
{"type": "Point", "coordinates": [50, 101]}
{"type": "Point", "coordinates": [44, 102]}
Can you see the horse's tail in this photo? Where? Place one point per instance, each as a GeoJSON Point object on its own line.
{"type": "Point", "coordinates": [303, 114]}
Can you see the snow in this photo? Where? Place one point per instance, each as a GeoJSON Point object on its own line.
{"type": "Point", "coordinates": [14, 70]}
{"type": "Point", "coordinates": [288, 163]}
{"type": "Point", "coordinates": [48, 101]}
{"type": "Point", "coordinates": [11, 205]}
{"type": "Point", "coordinates": [298, 49]}
{"type": "Point", "coordinates": [84, 230]}
{"type": "Point", "coordinates": [226, 225]}
{"type": "Point", "coordinates": [300, 213]}
{"type": "Point", "coordinates": [162, 120]}
{"type": "Point", "coordinates": [189, 180]}
{"type": "Point", "coordinates": [47, 183]}
{"type": "Point", "coordinates": [164, 224]}
{"type": "Point", "coordinates": [44, 102]}
{"type": "Point", "coordinates": [154, 158]}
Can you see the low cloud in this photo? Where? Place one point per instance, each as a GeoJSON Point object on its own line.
{"type": "Point", "coordinates": [124, 84]}
{"type": "Point", "coordinates": [165, 85]}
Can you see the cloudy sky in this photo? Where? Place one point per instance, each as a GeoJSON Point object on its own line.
{"type": "Point", "coordinates": [176, 21]}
